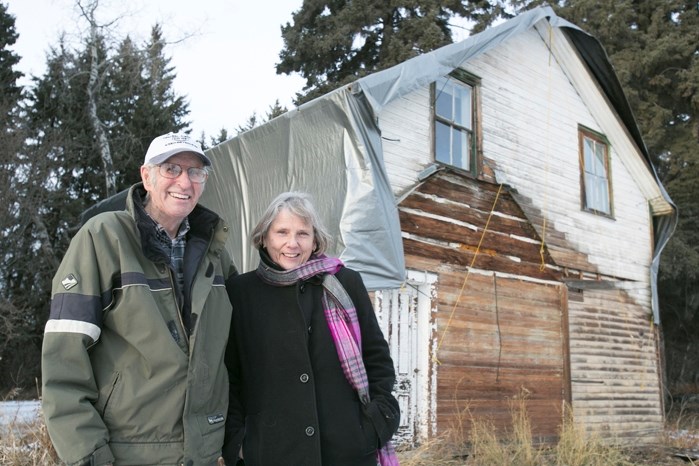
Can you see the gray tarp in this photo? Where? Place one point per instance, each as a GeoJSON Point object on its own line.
{"type": "Point", "coordinates": [324, 148]}
{"type": "Point", "coordinates": [331, 148]}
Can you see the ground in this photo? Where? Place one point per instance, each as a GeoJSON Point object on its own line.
{"type": "Point", "coordinates": [663, 456]}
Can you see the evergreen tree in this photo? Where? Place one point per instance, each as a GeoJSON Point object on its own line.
{"type": "Point", "coordinates": [331, 43]}
{"type": "Point", "coordinates": [127, 84]}
{"type": "Point", "coordinates": [143, 103]}
{"type": "Point", "coordinates": [168, 111]}
{"type": "Point", "coordinates": [103, 87]}
{"type": "Point", "coordinates": [10, 91]}
{"type": "Point", "coordinates": [275, 110]}
{"type": "Point", "coordinates": [20, 340]}
{"type": "Point", "coordinates": [253, 120]}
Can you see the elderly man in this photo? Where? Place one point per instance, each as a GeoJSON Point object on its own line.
{"type": "Point", "coordinates": [132, 354]}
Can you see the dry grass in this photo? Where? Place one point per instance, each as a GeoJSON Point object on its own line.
{"type": "Point", "coordinates": [485, 446]}
{"type": "Point", "coordinates": [26, 444]}
{"type": "Point", "coordinates": [682, 428]}
{"type": "Point", "coordinates": [576, 447]}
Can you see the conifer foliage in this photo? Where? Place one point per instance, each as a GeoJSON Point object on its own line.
{"type": "Point", "coordinates": [78, 134]}
{"type": "Point", "coordinates": [331, 43]}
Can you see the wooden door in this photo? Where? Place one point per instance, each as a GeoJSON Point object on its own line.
{"type": "Point", "coordinates": [404, 315]}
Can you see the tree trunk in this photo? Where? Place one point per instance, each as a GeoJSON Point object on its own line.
{"type": "Point", "coordinates": [92, 88]}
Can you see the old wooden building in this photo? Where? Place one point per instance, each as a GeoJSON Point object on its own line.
{"type": "Point", "coordinates": [499, 201]}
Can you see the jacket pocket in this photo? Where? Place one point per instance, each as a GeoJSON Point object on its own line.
{"type": "Point", "coordinates": [371, 436]}
{"type": "Point", "coordinates": [212, 431]}
{"type": "Point", "coordinates": [106, 393]}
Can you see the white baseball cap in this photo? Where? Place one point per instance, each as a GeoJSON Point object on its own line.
{"type": "Point", "coordinates": [165, 146]}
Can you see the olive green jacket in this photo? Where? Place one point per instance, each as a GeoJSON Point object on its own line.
{"type": "Point", "coordinates": [122, 380]}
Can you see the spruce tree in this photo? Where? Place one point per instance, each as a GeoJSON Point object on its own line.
{"type": "Point", "coordinates": [331, 43]}
{"type": "Point", "coordinates": [10, 91]}
{"type": "Point", "coordinates": [19, 294]}
{"type": "Point", "coordinates": [60, 170]}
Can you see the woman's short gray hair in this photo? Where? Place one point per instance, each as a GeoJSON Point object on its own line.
{"type": "Point", "coordinates": [300, 204]}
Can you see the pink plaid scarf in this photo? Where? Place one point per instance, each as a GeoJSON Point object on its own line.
{"type": "Point", "coordinates": [342, 321]}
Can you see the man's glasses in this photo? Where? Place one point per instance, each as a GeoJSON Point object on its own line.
{"type": "Point", "coordinates": [172, 171]}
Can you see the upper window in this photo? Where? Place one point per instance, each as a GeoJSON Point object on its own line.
{"type": "Point", "coordinates": [454, 121]}
{"type": "Point", "coordinates": [595, 173]}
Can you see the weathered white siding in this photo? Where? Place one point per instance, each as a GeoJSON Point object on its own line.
{"type": "Point", "coordinates": [407, 139]}
{"type": "Point", "coordinates": [530, 117]}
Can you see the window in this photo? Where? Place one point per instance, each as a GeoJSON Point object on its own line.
{"type": "Point", "coordinates": [454, 121]}
{"type": "Point", "coordinates": [595, 175]}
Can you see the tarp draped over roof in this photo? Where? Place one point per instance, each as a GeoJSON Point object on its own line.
{"type": "Point", "coordinates": [331, 148]}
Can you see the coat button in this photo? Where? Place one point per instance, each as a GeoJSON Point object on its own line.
{"type": "Point", "coordinates": [304, 378]}
{"type": "Point", "coordinates": [310, 431]}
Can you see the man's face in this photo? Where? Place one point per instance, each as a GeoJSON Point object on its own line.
{"type": "Point", "coordinates": [173, 199]}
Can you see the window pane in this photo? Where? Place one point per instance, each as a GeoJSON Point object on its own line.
{"type": "Point", "coordinates": [602, 196]}
{"type": "Point", "coordinates": [596, 176]}
{"type": "Point", "coordinates": [600, 154]}
{"type": "Point", "coordinates": [443, 106]}
{"type": "Point", "coordinates": [600, 200]}
{"type": "Point", "coordinates": [462, 104]}
{"type": "Point", "coordinates": [589, 191]}
{"type": "Point", "coordinates": [460, 149]}
{"type": "Point", "coordinates": [453, 129]}
{"type": "Point", "coordinates": [442, 142]}
{"type": "Point", "coordinates": [588, 150]}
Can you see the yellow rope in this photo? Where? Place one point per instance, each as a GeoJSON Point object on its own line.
{"type": "Point", "coordinates": [468, 272]}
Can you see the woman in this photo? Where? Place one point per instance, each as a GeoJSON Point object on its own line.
{"type": "Point", "coordinates": [296, 399]}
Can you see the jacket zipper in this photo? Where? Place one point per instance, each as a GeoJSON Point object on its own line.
{"type": "Point", "coordinates": [177, 305]}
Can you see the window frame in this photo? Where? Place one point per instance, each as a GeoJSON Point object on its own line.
{"type": "Point", "coordinates": [588, 134]}
{"type": "Point", "coordinates": [464, 78]}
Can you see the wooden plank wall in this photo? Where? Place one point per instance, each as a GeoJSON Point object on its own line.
{"type": "Point", "coordinates": [614, 366]}
{"type": "Point", "coordinates": [503, 341]}
{"type": "Point", "coordinates": [500, 327]}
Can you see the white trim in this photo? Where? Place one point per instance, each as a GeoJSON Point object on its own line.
{"type": "Point", "coordinates": [426, 381]}
{"type": "Point", "coordinates": [73, 326]}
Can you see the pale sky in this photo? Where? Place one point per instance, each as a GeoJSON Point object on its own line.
{"type": "Point", "coordinates": [224, 65]}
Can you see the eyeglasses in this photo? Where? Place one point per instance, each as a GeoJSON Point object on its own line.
{"type": "Point", "coordinates": [172, 171]}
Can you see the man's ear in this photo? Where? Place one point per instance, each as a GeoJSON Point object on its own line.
{"type": "Point", "coordinates": [146, 176]}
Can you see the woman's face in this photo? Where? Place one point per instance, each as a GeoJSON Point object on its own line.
{"type": "Point", "coordinates": [289, 240]}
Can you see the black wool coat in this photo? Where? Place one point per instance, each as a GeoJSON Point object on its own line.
{"type": "Point", "coordinates": [290, 403]}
